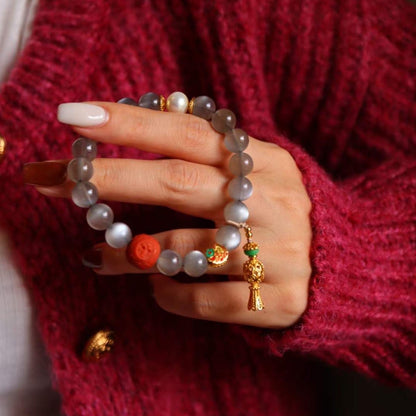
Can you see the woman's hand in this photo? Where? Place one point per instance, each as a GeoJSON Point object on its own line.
{"type": "Point", "coordinates": [193, 180]}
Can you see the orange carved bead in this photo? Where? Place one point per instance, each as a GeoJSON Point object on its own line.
{"type": "Point", "coordinates": [143, 251]}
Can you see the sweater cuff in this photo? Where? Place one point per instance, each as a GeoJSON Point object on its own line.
{"type": "Point", "coordinates": [362, 290]}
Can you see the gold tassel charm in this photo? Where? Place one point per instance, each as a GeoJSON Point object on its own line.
{"type": "Point", "coordinates": [253, 271]}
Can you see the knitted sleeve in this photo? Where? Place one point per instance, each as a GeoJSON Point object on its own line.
{"type": "Point", "coordinates": [362, 303]}
{"type": "Point", "coordinates": [347, 95]}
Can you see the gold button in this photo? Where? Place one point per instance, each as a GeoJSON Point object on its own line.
{"type": "Point", "coordinates": [99, 344]}
{"type": "Point", "coordinates": [2, 147]}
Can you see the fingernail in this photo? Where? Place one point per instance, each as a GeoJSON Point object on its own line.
{"type": "Point", "coordinates": [47, 173]}
{"type": "Point", "coordinates": [93, 258]}
{"type": "Point", "coordinates": [82, 114]}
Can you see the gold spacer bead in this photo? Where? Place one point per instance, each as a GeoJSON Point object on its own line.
{"type": "Point", "coordinates": [2, 147]}
{"type": "Point", "coordinates": [249, 233]}
{"type": "Point", "coordinates": [98, 345]}
{"type": "Point", "coordinates": [251, 246]}
{"type": "Point", "coordinates": [162, 103]}
{"type": "Point", "coordinates": [191, 105]}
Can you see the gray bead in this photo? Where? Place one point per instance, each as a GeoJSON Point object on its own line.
{"type": "Point", "coordinates": [203, 107]}
{"type": "Point", "coordinates": [195, 264]}
{"type": "Point", "coordinates": [150, 100]}
{"type": "Point", "coordinates": [240, 188]}
{"type": "Point", "coordinates": [80, 170]}
{"type": "Point", "coordinates": [228, 236]}
{"type": "Point", "coordinates": [223, 120]}
{"type": "Point", "coordinates": [241, 164]}
{"type": "Point", "coordinates": [236, 211]}
{"type": "Point", "coordinates": [118, 235]}
{"type": "Point", "coordinates": [100, 216]}
{"type": "Point", "coordinates": [83, 147]}
{"type": "Point", "coordinates": [84, 194]}
{"type": "Point", "coordinates": [128, 101]}
{"type": "Point", "coordinates": [236, 140]}
{"type": "Point", "coordinates": [169, 262]}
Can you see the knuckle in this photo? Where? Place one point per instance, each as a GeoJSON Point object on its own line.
{"type": "Point", "coordinates": [180, 241]}
{"type": "Point", "coordinates": [196, 133]}
{"type": "Point", "coordinates": [106, 175]}
{"type": "Point", "coordinates": [296, 200]}
{"type": "Point", "coordinates": [201, 306]}
{"type": "Point", "coordinates": [181, 179]}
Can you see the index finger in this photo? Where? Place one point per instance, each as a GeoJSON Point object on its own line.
{"type": "Point", "coordinates": [175, 135]}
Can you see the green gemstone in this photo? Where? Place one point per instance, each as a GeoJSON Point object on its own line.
{"type": "Point", "coordinates": [209, 253]}
{"type": "Point", "coordinates": [251, 253]}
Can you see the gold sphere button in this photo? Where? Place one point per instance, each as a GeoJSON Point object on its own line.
{"type": "Point", "coordinates": [98, 345]}
{"type": "Point", "coordinates": [2, 147]}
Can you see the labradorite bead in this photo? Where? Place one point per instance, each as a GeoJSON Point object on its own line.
{"type": "Point", "coordinates": [128, 101]}
{"type": "Point", "coordinates": [195, 264]}
{"type": "Point", "coordinates": [100, 216]}
{"type": "Point", "coordinates": [241, 164]}
{"type": "Point", "coordinates": [203, 107]}
{"type": "Point", "coordinates": [236, 140]}
{"type": "Point", "coordinates": [223, 120]}
{"type": "Point", "coordinates": [150, 100]}
{"type": "Point", "coordinates": [169, 262]}
{"type": "Point", "coordinates": [83, 147]}
{"type": "Point", "coordinates": [118, 235]}
{"type": "Point", "coordinates": [80, 170]}
{"type": "Point", "coordinates": [240, 188]}
{"type": "Point", "coordinates": [84, 194]}
{"type": "Point", "coordinates": [236, 211]}
{"type": "Point", "coordinates": [229, 237]}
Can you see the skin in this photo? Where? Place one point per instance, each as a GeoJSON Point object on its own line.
{"type": "Point", "coordinates": [195, 172]}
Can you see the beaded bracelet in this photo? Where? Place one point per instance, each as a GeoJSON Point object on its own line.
{"type": "Point", "coordinates": [143, 250]}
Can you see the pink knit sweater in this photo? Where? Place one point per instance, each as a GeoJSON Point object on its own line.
{"type": "Point", "coordinates": [338, 79]}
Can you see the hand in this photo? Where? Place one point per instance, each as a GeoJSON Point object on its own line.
{"type": "Point", "coordinates": [193, 181]}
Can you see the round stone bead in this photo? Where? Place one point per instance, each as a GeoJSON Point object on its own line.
{"type": "Point", "coordinates": [229, 237]}
{"type": "Point", "coordinates": [80, 170]}
{"type": "Point", "coordinates": [223, 120]}
{"type": "Point", "coordinates": [240, 188]}
{"type": "Point", "coordinates": [203, 107]}
{"type": "Point", "coordinates": [100, 216]}
{"type": "Point", "coordinates": [83, 147]}
{"type": "Point", "coordinates": [236, 140]}
{"type": "Point", "coordinates": [150, 100]}
{"type": "Point", "coordinates": [128, 101]}
{"type": "Point", "coordinates": [169, 262]}
{"type": "Point", "coordinates": [195, 263]}
{"type": "Point", "coordinates": [84, 194]}
{"type": "Point", "coordinates": [118, 235]}
{"type": "Point", "coordinates": [241, 164]}
{"type": "Point", "coordinates": [236, 211]}
{"type": "Point", "coordinates": [177, 102]}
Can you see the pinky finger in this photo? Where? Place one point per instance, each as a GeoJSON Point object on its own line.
{"type": "Point", "coordinates": [220, 301]}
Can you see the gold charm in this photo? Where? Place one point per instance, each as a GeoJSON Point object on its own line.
{"type": "Point", "coordinates": [217, 256]}
{"type": "Point", "coordinates": [253, 271]}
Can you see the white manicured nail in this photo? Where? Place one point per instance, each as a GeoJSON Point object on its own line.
{"type": "Point", "coordinates": [82, 114]}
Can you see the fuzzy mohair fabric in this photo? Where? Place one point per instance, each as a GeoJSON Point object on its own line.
{"type": "Point", "coordinates": [332, 81]}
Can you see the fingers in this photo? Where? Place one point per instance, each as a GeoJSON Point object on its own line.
{"type": "Point", "coordinates": [227, 302]}
{"type": "Point", "coordinates": [115, 261]}
{"type": "Point", "coordinates": [193, 189]}
{"type": "Point", "coordinates": [181, 136]}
